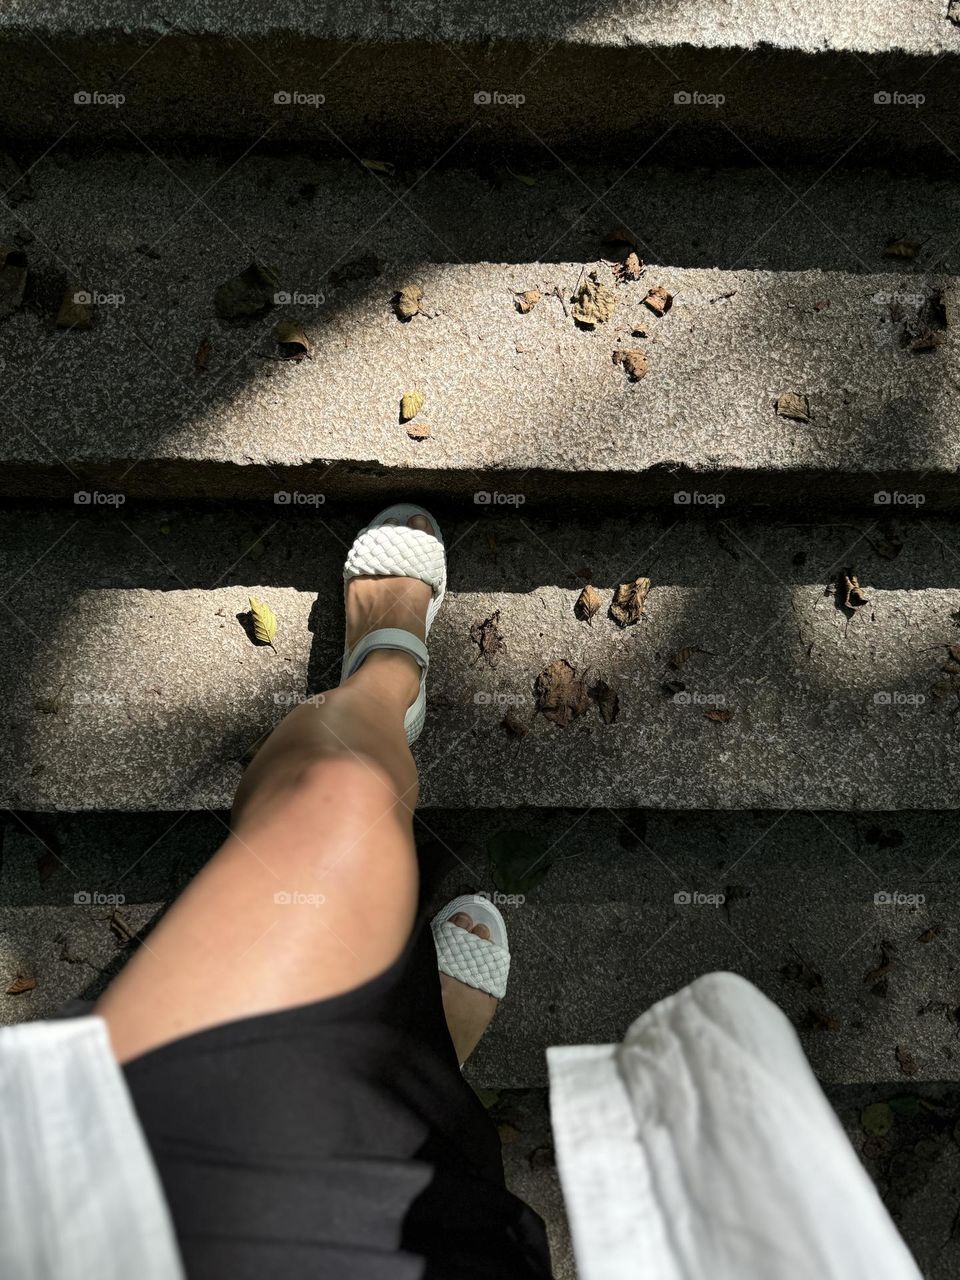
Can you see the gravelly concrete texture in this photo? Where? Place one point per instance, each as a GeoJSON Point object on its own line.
{"type": "Point", "coordinates": [130, 681]}
{"type": "Point", "coordinates": [769, 297]}
{"type": "Point", "coordinates": [407, 79]}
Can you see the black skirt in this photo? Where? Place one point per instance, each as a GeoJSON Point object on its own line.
{"type": "Point", "coordinates": [334, 1140]}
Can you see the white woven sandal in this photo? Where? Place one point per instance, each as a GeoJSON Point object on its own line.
{"type": "Point", "coordinates": [462, 955]}
{"type": "Point", "coordinates": [397, 551]}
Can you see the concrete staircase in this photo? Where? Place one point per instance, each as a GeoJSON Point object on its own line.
{"type": "Point", "coordinates": [774, 789]}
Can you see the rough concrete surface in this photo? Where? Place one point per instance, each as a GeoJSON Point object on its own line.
{"type": "Point", "coordinates": [399, 80]}
{"type": "Point", "coordinates": [768, 297]}
{"type": "Point", "coordinates": [130, 681]}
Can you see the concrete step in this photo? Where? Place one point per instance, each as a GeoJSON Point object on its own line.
{"type": "Point", "coordinates": [131, 682]}
{"type": "Point", "coordinates": [600, 934]}
{"type": "Point", "coordinates": [421, 79]}
{"type": "Point", "coordinates": [160, 397]}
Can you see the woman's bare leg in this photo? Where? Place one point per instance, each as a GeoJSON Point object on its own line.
{"type": "Point", "coordinates": [315, 890]}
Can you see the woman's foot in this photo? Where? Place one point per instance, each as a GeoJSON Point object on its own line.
{"type": "Point", "coordinates": [373, 603]}
{"type": "Point", "coordinates": [468, 1011]}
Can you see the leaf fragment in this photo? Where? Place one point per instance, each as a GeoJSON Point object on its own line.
{"type": "Point", "coordinates": [513, 725]}
{"type": "Point", "coordinates": [630, 269]}
{"type": "Point", "coordinates": [683, 655]}
{"type": "Point", "coordinates": [658, 300]}
{"type": "Point", "coordinates": [76, 310]}
{"type": "Point", "coordinates": [527, 300]}
{"type": "Point", "coordinates": [406, 302]}
{"type": "Point", "coordinates": [795, 405]}
{"type": "Point", "coordinates": [901, 248]}
{"type": "Point", "coordinates": [588, 604]}
{"type": "Point", "coordinates": [21, 984]}
{"type": "Point", "coordinates": [201, 357]}
{"type": "Point", "coordinates": [607, 700]}
{"type": "Point", "coordinates": [263, 621]}
{"type": "Point", "coordinates": [720, 715]}
{"type": "Point", "coordinates": [486, 635]}
{"type": "Point", "coordinates": [634, 362]}
{"type": "Point", "coordinates": [419, 430]}
{"type": "Point", "coordinates": [246, 296]}
{"type": "Point", "coordinates": [13, 279]}
{"type": "Point", "coordinates": [876, 1120]}
{"type": "Point", "coordinates": [593, 302]}
{"type": "Point", "coordinates": [628, 602]}
{"type": "Point", "coordinates": [906, 1061]}
{"type": "Point", "coordinates": [292, 341]}
{"type": "Point", "coordinates": [851, 593]}
{"type": "Point", "coordinates": [561, 693]}
{"type": "Point", "coordinates": [378, 166]}
{"type": "Point", "coordinates": [411, 402]}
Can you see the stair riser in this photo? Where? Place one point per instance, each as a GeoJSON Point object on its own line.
{"type": "Point", "coordinates": [411, 100]}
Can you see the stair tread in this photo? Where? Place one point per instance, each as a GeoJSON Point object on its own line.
{"type": "Point", "coordinates": [132, 684]}
{"type": "Point", "coordinates": [530, 396]}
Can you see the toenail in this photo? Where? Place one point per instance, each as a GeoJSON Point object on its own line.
{"type": "Point", "coordinates": [462, 920]}
{"type": "Point", "coordinates": [481, 931]}
{"type": "Point", "coordinates": [419, 522]}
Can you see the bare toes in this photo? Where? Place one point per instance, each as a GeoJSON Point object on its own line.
{"type": "Point", "coordinates": [482, 931]}
{"type": "Point", "coordinates": [421, 523]}
{"type": "Point", "coordinates": [462, 921]}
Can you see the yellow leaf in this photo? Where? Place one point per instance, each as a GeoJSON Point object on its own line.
{"type": "Point", "coordinates": [410, 405]}
{"type": "Point", "coordinates": [264, 622]}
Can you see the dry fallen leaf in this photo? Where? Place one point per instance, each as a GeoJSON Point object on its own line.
{"type": "Point", "coordinates": [513, 725]}
{"type": "Point", "coordinates": [13, 279]}
{"type": "Point", "coordinates": [21, 983]}
{"type": "Point", "coordinates": [525, 302]}
{"type": "Point", "coordinates": [819, 1020]}
{"type": "Point", "coordinates": [561, 693]}
{"type": "Point", "coordinates": [929, 340]}
{"type": "Point", "coordinates": [682, 656]}
{"type": "Point", "coordinates": [410, 405]}
{"type": "Point", "coordinates": [906, 1061]}
{"type": "Point", "coordinates": [634, 363]}
{"type": "Point", "coordinates": [201, 358]}
{"type": "Point", "coordinates": [292, 341]}
{"type": "Point", "coordinates": [720, 715]}
{"type": "Point", "coordinates": [792, 404]}
{"type": "Point", "coordinates": [928, 935]}
{"type": "Point", "coordinates": [419, 430]}
{"type": "Point", "coordinates": [588, 604]}
{"type": "Point", "coordinates": [593, 302]}
{"type": "Point", "coordinates": [607, 700]}
{"type": "Point", "coordinates": [630, 269]}
{"type": "Point", "coordinates": [264, 622]}
{"type": "Point", "coordinates": [486, 635]}
{"type": "Point", "coordinates": [626, 607]}
{"type": "Point", "coordinates": [406, 302]}
{"type": "Point", "coordinates": [246, 296]}
{"type": "Point", "coordinates": [853, 597]}
{"type": "Point", "coordinates": [76, 310]}
{"type": "Point", "coordinates": [658, 300]}
{"type": "Point", "coordinates": [901, 248]}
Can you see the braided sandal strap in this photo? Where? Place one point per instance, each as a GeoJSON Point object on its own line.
{"type": "Point", "coordinates": [397, 551]}
{"type": "Point", "coordinates": [479, 963]}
